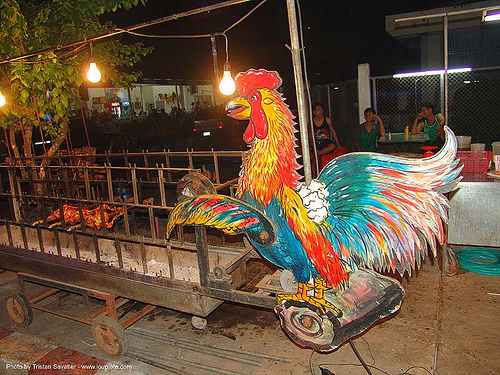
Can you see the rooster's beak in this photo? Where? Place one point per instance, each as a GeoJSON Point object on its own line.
{"type": "Point", "coordinates": [238, 109]}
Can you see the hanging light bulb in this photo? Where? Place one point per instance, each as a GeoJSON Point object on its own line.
{"type": "Point", "coordinates": [2, 100]}
{"type": "Point", "coordinates": [227, 85]}
{"type": "Point", "coordinates": [93, 74]}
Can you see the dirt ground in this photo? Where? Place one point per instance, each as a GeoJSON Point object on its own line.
{"type": "Point", "coordinates": [446, 326]}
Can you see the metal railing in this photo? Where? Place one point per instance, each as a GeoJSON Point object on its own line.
{"type": "Point", "coordinates": [473, 99]}
{"type": "Point", "coordinates": [134, 183]}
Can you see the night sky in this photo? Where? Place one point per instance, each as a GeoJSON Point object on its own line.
{"type": "Point", "coordinates": [338, 35]}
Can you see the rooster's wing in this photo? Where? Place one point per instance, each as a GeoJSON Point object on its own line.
{"type": "Point", "coordinates": [230, 215]}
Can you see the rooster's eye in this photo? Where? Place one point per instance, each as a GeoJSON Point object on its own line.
{"type": "Point", "coordinates": [253, 98]}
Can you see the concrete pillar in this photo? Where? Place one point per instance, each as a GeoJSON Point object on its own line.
{"type": "Point", "coordinates": [364, 98]}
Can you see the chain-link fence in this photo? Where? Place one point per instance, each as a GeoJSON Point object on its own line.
{"type": "Point", "coordinates": [473, 103]}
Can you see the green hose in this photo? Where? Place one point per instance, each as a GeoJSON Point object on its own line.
{"type": "Point", "coordinates": [479, 260]}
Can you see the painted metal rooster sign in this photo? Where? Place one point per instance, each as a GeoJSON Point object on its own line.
{"type": "Point", "coordinates": [364, 212]}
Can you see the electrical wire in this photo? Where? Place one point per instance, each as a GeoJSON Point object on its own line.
{"type": "Point", "coordinates": [167, 36]}
{"type": "Point", "coordinates": [245, 16]}
{"type": "Point", "coordinates": [114, 32]}
{"type": "Point", "coordinates": [372, 366]}
{"type": "Point", "coordinates": [227, 48]}
{"type": "Point", "coordinates": [194, 35]}
{"type": "Point", "coordinates": [479, 260]}
{"type": "Point", "coordinates": [363, 363]}
{"type": "Point", "coordinates": [83, 43]}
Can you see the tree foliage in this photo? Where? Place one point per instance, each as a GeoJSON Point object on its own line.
{"type": "Point", "coordinates": [41, 90]}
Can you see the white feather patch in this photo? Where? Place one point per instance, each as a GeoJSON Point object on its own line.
{"type": "Point", "coordinates": [314, 199]}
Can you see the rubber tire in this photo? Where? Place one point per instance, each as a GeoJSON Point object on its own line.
{"type": "Point", "coordinates": [105, 328]}
{"type": "Point", "coordinates": [25, 311]}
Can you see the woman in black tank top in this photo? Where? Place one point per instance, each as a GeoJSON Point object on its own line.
{"type": "Point", "coordinates": [323, 131]}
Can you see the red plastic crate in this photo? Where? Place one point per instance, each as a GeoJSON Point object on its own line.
{"type": "Point", "coordinates": [474, 161]}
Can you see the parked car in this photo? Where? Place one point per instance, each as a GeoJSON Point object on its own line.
{"type": "Point", "coordinates": [208, 121]}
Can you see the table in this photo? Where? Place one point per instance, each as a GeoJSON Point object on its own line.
{"type": "Point", "coordinates": [399, 143]}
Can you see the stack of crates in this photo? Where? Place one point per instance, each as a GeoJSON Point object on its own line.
{"type": "Point", "coordinates": [475, 161]}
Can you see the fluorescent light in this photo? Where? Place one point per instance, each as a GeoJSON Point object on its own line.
{"type": "Point", "coordinates": [495, 16]}
{"type": "Point", "coordinates": [430, 72]}
{"type": "Point", "coordinates": [206, 134]}
{"type": "Point", "coordinates": [41, 143]}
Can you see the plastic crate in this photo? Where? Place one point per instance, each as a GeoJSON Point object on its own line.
{"type": "Point", "coordinates": [474, 161]}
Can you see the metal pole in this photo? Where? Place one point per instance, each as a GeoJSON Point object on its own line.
{"type": "Point", "coordinates": [299, 88]}
{"type": "Point", "coordinates": [445, 32]}
{"type": "Point", "coordinates": [216, 69]}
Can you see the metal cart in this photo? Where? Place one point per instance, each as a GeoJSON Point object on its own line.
{"type": "Point", "coordinates": [131, 260]}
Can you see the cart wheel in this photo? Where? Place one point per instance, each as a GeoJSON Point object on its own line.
{"type": "Point", "coordinates": [109, 336]}
{"type": "Point", "coordinates": [19, 309]}
{"type": "Point", "coordinates": [198, 323]}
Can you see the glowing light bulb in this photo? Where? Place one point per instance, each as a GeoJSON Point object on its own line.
{"type": "Point", "coordinates": [2, 100]}
{"type": "Point", "coordinates": [93, 74]}
{"type": "Point", "coordinates": [227, 85]}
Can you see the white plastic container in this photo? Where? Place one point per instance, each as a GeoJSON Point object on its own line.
{"type": "Point", "coordinates": [477, 146]}
{"type": "Point", "coordinates": [495, 146]}
{"type": "Point", "coordinates": [464, 142]}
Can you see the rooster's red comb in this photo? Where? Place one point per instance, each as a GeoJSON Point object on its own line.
{"type": "Point", "coordinates": [257, 79]}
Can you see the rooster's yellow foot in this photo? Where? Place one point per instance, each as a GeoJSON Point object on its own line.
{"type": "Point", "coordinates": [318, 300]}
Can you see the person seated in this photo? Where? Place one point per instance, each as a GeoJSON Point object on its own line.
{"type": "Point", "coordinates": [323, 132]}
{"type": "Point", "coordinates": [431, 124]}
{"type": "Point", "coordinates": [370, 131]}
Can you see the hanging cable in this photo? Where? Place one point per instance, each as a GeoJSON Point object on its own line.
{"type": "Point", "coordinates": [114, 32]}
{"type": "Point", "coordinates": [245, 16]}
{"type": "Point", "coordinates": [167, 36]}
{"type": "Point", "coordinates": [227, 48]}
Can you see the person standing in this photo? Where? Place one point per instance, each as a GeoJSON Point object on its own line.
{"type": "Point", "coordinates": [370, 131]}
{"type": "Point", "coordinates": [430, 123]}
{"type": "Point", "coordinates": [323, 131]}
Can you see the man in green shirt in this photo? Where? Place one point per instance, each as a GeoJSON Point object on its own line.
{"type": "Point", "coordinates": [430, 123]}
{"type": "Point", "coordinates": [370, 131]}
